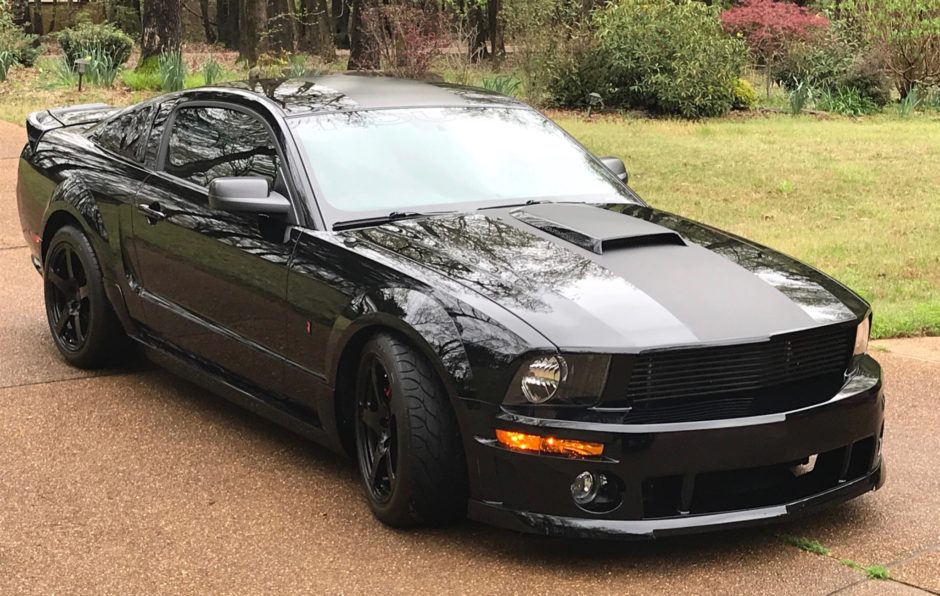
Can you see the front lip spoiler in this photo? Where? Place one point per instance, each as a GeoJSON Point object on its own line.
{"type": "Point", "coordinates": [577, 527]}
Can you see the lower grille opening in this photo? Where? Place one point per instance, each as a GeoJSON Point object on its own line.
{"type": "Point", "coordinates": [749, 488]}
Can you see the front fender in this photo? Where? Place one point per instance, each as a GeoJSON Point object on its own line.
{"type": "Point", "coordinates": [419, 317]}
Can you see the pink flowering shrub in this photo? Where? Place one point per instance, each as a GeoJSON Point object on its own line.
{"type": "Point", "coordinates": [768, 26]}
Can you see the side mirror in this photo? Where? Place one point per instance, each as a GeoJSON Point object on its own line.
{"type": "Point", "coordinates": [246, 194]}
{"type": "Point", "coordinates": [615, 165]}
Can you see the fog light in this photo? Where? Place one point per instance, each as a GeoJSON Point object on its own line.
{"type": "Point", "coordinates": [585, 486]}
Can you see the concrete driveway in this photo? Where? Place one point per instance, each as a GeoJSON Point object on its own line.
{"type": "Point", "coordinates": [134, 481]}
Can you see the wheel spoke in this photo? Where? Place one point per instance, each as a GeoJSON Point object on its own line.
{"type": "Point", "coordinates": [371, 419]}
{"type": "Point", "coordinates": [61, 322]}
{"type": "Point", "coordinates": [378, 388]}
{"type": "Point", "coordinates": [375, 432]}
{"type": "Point", "coordinates": [390, 467]}
{"type": "Point", "coordinates": [77, 324]}
{"type": "Point", "coordinates": [58, 282]}
{"type": "Point", "coordinates": [378, 454]}
{"type": "Point", "coordinates": [70, 272]}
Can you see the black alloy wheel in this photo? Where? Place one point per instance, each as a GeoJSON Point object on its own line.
{"type": "Point", "coordinates": [376, 432]}
{"type": "Point", "coordinates": [408, 443]}
{"type": "Point", "coordinates": [83, 325]}
{"type": "Point", "coordinates": [67, 297]}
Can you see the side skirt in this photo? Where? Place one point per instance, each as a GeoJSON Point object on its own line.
{"type": "Point", "coordinates": [305, 424]}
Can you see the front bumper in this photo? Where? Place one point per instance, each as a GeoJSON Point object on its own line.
{"type": "Point", "coordinates": [688, 477]}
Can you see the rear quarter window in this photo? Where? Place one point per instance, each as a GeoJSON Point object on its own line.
{"type": "Point", "coordinates": [124, 134]}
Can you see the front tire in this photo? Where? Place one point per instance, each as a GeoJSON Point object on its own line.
{"type": "Point", "coordinates": [83, 324]}
{"type": "Point", "coordinates": [407, 440]}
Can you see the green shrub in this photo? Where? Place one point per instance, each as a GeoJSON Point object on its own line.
{"type": "Point", "coordinates": [20, 45]}
{"type": "Point", "coordinates": [504, 84]}
{"type": "Point", "coordinates": [63, 75]}
{"type": "Point", "coordinates": [7, 60]}
{"type": "Point", "coordinates": [846, 101]}
{"type": "Point", "coordinates": [820, 64]}
{"type": "Point", "coordinates": [669, 58]}
{"type": "Point", "coordinates": [910, 102]}
{"type": "Point", "coordinates": [297, 67]}
{"type": "Point", "coordinates": [798, 98]}
{"type": "Point", "coordinates": [868, 76]}
{"type": "Point", "coordinates": [101, 70]}
{"type": "Point", "coordinates": [931, 99]}
{"type": "Point", "coordinates": [745, 98]}
{"type": "Point", "coordinates": [576, 68]}
{"type": "Point", "coordinates": [88, 38]}
{"type": "Point", "coordinates": [172, 71]}
{"type": "Point", "coordinates": [211, 71]}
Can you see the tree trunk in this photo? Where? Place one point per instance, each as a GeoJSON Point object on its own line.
{"type": "Point", "coordinates": [495, 27]}
{"type": "Point", "coordinates": [37, 18]}
{"type": "Point", "coordinates": [138, 10]}
{"type": "Point", "coordinates": [230, 23]}
{"type": "Point", "coordinates": [363, 50]}
{"type": "Point", "coordinates": [55, 13]}
{"type": "Point", "coordinates": [339, 21]}
{"type": "Point", "coordinates": [207, 21]}
{"type": "Point", "coordinates": [318, 36]}
{"type": "Point", "coordinates": [254, 36]}
{"type": "Point", "coordinates": [282, 26]}
{"type": "Point", "coordinates": [478, 33]}
{"type": "Point", "coordinates": [162, 30]}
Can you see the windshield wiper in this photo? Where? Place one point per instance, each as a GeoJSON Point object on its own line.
{"type": "Point", "coordinates": [511, 205]}
{"type": "Point", "coordinates": [383, 219]}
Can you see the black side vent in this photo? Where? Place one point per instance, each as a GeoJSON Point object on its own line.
{"type": "Point", "coordinates": [596, 229]}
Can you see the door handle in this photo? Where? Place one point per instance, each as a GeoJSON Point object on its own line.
{"type": "Point", "coordinates": [152, 212]}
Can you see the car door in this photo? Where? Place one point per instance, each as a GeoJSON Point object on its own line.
{"type": "Point", "coordinates": [215, 282]}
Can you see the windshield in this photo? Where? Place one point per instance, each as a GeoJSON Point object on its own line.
{"type": "Point", "coordinates": [383, 161]}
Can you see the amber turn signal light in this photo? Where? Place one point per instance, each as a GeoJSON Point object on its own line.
{"type": "Point", "coordinates": [539, 444]}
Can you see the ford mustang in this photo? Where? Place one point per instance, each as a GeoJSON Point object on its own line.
{"type": "Point", "coordinates": [442, 283]}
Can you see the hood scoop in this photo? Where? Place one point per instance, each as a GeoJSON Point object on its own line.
{"type": "Point", "coordinates": [596, 229]}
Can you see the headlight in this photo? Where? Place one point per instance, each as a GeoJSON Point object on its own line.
{"type": "Point", "coordinates": [861, 337]}
{"type": "Point", "coordinates": [572, 379]}
{"type": "Point", "coordinates": [543, 377]}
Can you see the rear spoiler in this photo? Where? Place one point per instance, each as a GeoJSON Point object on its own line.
{"type": "Point", "coordinates": [39, 123]}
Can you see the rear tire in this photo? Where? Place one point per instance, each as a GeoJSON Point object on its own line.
{"type": "Point", "coordinates": [83, 324]}
{"type": "Point", "coordinates": [408, 442]}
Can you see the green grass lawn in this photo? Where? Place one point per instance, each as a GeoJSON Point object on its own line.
{"type": "Point", "coordinates": [859, 200]}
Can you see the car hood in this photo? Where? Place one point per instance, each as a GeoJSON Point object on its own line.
{"type": "Point", "coordinates": [620, 277]}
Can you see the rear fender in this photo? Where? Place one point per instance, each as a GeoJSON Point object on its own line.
{"type": "Point", "coordinates": [74, 197]}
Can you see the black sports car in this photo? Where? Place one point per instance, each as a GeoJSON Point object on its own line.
{"type": "Point", "coordinates": [442, 282]}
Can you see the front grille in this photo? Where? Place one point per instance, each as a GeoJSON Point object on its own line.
{"type": "Point", "coordinates": [789, 371]}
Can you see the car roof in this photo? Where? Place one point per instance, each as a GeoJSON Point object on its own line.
{"type": "Point", "coordinates": [364, 91]}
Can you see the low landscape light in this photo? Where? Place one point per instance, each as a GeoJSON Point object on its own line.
{"type": "Point", "coordinates": [80, 66]}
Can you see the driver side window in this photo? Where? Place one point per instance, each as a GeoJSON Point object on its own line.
{"type": "Point", "coordinates": [207, 143]}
